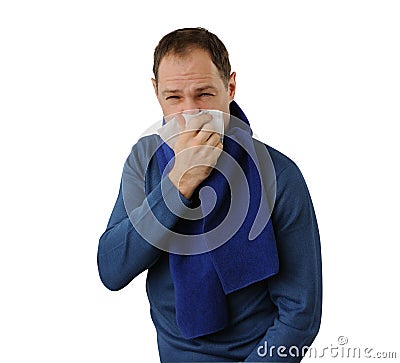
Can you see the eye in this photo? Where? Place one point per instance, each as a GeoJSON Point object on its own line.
{"type": "Point", "coordinates": [206, 95]}
{"type": "Point", "coordinates": [172, 98]}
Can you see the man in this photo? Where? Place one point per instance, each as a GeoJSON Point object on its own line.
{"type": "Point", "coordinates": [252, 295]}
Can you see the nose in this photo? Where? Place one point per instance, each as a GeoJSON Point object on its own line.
{"type": "Point", "coordinates": [189, 106]}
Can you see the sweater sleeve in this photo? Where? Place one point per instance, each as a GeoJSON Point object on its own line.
{"type": "Point", "coordinates": [123, 252]}
{"type": "Point", "coordinates": [296, 290]}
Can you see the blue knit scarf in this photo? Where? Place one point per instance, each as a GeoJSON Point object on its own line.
{"type": "Point", "coordinates": [203, 281]}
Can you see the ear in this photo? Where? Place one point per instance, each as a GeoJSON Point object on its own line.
{"type": "Point", "coordinates": [232, 86]}
{"type": "Point", "coordinates": [155, 86]}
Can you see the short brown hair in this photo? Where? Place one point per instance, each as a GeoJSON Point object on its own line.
{"type": "Point", "coordinates": [180, 41]}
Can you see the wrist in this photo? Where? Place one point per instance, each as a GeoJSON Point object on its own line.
{"type": "Point", "coordinates": [180, 185]}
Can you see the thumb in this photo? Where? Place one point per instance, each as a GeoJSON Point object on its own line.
{"type": "Point", "coordinates": [181, 122]}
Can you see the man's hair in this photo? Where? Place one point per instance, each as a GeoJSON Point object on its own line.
{"type": "Point", "coordinates": [180, 41]}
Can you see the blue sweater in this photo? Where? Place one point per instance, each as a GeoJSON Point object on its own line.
{"type": "Point", "coordinates": [282, 311]}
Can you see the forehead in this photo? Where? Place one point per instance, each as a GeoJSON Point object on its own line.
{"type": "Point", "coordinates": [194, 65]}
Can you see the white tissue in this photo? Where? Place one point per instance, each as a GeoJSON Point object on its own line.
{"type": "Point", "coordinates": [171, 129]}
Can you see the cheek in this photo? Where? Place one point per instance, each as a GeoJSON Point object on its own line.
{"type": "Point", "coordinates": [215, 103]}
{"type": "Point", "coordinates": [222, 103]}
{"type": "Point", "coordinates": [168, 110]}
{"type": "Point", "coordinates": [166, 107]}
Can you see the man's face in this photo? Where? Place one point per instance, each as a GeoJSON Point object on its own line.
{"type": "Point", "coordinates": [192, 82]}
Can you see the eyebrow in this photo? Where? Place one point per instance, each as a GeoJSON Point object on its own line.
{"type": "Point", "coordinates": [206, 88]}
{"type": "Point", "coordinates": [199, 89]}
{"type": "Point", "coordinates": [168, 91]}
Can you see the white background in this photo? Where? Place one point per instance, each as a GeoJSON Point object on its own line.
{"type": "Point", "coordinates": [319, 80]}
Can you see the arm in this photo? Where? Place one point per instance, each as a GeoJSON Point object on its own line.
{"type": "Point", "coordinates": [297, 289]}
{"type": "Point", "coordinates": [122, 252]}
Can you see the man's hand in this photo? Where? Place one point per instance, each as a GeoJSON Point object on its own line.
{"type": "Point", "coordinates": [197, 149]}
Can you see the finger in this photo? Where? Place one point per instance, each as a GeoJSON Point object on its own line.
{"type": "Point", "coordinates": [217, 150]}
{"type": "Point", "coordinates": [211, 126]}
{"type": "Point", "coordinates": [214, 139]}
{"type": "Point", "coordinates": [176, 124]}
{"type": "Point", "coordinates": [181, 122]}
{"type": "Point", "coordinates": [191, 128]}
{"type": "Point", "coordinates": [197, 123]}
{"type": "Point", "coordinates": [203, 136]}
